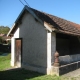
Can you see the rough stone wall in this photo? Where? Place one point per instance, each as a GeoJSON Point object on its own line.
{"type": "Point", "coordinates": [67, 59]}
{"type": "Point", "coordinates": [34, 42]}
{"type": "Point", "coordinates": [38, 46]}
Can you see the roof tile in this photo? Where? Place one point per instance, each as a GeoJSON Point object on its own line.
{"type": "Point", "coordinates": [60, 24]}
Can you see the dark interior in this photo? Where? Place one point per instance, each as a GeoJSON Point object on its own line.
{"type": "Point", "coordinates": [67, 45]}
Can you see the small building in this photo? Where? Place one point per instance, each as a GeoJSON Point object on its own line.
{"type": "Point", "coordinates": [1, 35]}
{"type": "Point", "coordinates": [6, 39]}
{"type": "Point", "coordinates": [44, 43]}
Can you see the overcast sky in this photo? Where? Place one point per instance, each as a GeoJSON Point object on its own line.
{"type": "Point", "coordinates": [67, 9]}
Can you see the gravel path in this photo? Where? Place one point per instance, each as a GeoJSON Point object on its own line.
{"type": "Point", "coordinates": [74, 75]}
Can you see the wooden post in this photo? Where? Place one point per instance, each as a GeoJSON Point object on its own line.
{"type": "Point", "coordinates": [56, 59]}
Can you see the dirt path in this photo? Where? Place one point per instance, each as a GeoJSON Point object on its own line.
{"type": "Point", "coordinates": [74, 74]}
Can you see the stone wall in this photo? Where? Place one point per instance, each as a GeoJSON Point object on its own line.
{"type": "Point", "coordinates": [67, 59]}
{"type": "Point", "coordinates": [34, 43]}
{"type": "Point", "coordinates": [69, 67]}
{"type": "Point", "coordinates": [38, 45]}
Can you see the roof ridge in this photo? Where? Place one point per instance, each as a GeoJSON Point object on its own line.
{"type": "Point", "coordinates": [63, 19]}
{"type": "Point", "coordinates": [55, 16]}
{"type": "Point", "coordinates": [54, 22]}
{"type": "Point", "coordinates": [58, 23]}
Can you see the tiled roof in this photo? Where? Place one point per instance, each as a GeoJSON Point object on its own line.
{"type": "Point", "coordinates": [60, 24]}
{"type": "Point", "coordinates": [55, 23]}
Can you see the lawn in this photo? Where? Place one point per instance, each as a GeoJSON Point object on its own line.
{"type": "Point", "coordinates": [4, 62]}
{"type": "Point", "coordinates": [22, 74]}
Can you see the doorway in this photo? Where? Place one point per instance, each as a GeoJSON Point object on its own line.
{"type": "Point", "coordinates": [18, 52]}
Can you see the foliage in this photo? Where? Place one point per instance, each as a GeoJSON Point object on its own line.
{"type": "Point", "coordinates": [9, 42]}
{"type": "Point", "coordinates": [4, 29]}
{"type": "Point", "coordinates": [1, 40]}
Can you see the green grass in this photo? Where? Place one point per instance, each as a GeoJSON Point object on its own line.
{"type": "Point", "coordinates": [4, 62]}
{"type": "Point", "coordinates": [22, 74]}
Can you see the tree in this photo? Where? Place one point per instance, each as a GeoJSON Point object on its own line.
{"type": "Point", "coordinates": [1, 40]}
{"type": "Point", "coordinates": [4, 29]}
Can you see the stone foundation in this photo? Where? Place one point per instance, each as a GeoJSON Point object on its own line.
{"type": "Point", "coordinates": [65, 68]}
{"type": "Point", "coordinates": [54, 70]}
{"type": "Point", "coordinates": [39, 69]}
{"type": "Point", "coordinates": [69, 67]}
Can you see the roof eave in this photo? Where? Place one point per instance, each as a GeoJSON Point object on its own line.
{"type": "Point", "coordinates": [34, 15]}
{"type": "Point", "coordinates": [66, 32]}
{"type": "Point", "coordinates": [11, 30]}
{"type": "Point", "coordinates": [49, 27]}
{"type": "Point", "coordinates": [16, 21]}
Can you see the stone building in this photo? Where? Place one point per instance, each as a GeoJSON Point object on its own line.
{"type": "Point", "coordinates": [44, 43]}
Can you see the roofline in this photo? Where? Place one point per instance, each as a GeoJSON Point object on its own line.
{"type": "Point", "coordinates": [10, 30]}
{"type": "Point", "coordinates": [20, 14]}
{"type": "Point", "coordinates": [33, 14]}
{"type": "Point", "coordinates": [49, 27]}
{"type": "Point", "coordinates": [16, 21]}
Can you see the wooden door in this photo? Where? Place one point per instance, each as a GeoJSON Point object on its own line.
{"type": "Point", "coordinates": [18, 50]}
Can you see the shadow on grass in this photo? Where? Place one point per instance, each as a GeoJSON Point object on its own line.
{"type": "Point", "coordinates": [18, 74]}
{"type": "Point", "coordinates": [5, 48]}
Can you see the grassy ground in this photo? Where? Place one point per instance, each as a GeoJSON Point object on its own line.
{"type": "Point", "coordinates": [21, 74]}
{"type": "Point", "coordinates": [4, 62]}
